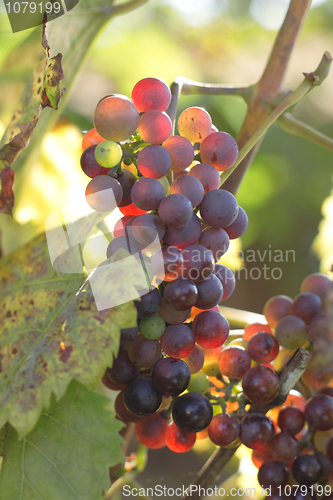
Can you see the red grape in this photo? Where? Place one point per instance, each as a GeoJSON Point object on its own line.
{"type": "Point", "coordinates": [195, 360]}
{"type": "Point", "coordinates": [181, 151]}
{"type": "Point", "coordinates": [263, 347]}
{"type": "Point", "coordinates": [89, 164]}
{"type": "Point", "coordinates": [307, 305]}
{"type": "Point", "coordinates": [216, 240]}
{"type": "Point", "coordinates": [291, 419]}
{"type": "Point", "coordinates": [319, 412]}
{"type": "Point", "coordinates": [172, 262]}
{"type": "Point", "coordinates": [223, 429]}
{"type": "Point", "coordinates": [195, 124]}
{"type": "Point", "coordinates": [277, 308]}
{"type": "Point", "coordinates": [178, 440]}
{"type": "Point", "coordinates": [207, 175]}
{"type": "Point", "coordinates": [184, 236]}
{"type": "Point", "coordinates": [151, 431]}
{"type": "Point", "coordinates": [154, 161]}
{"type": "Point", "coordinates": [239, 226]}
{"type": "Point", "coordinates": [291, 332]}
{"type": "Point", "coordinates": [234, 362]}
{"type": "Point", "coordinates": [154, 127]}
{"type": "Point", "coordinates": [91, 138]}
{"type": "Point", "coordinates": [256, 431]}
{"type": "Point", "coordinates": [190, 187]}
{"type": "Point", "coordinates": [211, 329]}
{"type": "Point", "coordinates": [177, 341]}
{"type": "Point", "coordinates": [210, 293]}
{"type": "Point", "coordinates": [192, 412]}
{"type": "Point", "coordinates": [151, 93]}
{"type": "Point", "coordinates": [219, 208]}
{"type": "Point", "coordinates": [144, 353]}
{"type": "Point", "coordinates": [175, 210]}
{"type": "Point", "coordinates": [220, 150]}
{"type": "Point", "coordinates": [103, 193]}
{"type": "Point", "coordinates": [147, 193]}
{"type": "Point", "coordinates": [171, 376]}
{"type": "Point", "coordinates": [260, 384]}
{"type": "Point", "coordinates": [317, 283]}
{"type": "Point", "coordinates": [181, 294]}
{"type": "Point", "coordinates": [116, 118]}
{"type": "Point", "coordinates": [198, 262]}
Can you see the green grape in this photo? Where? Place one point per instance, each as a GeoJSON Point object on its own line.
{"type": "Point", "coordinates": [165, 184]}
{"type": "Point", "coordinates": [199, 383]}
{"type": "Point", "coordinates": [108, 154]}
{"type": "Point", "coordinates": [152, 328]}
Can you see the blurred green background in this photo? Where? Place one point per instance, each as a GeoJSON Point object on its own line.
{"type": "Point", "coordinates": [286, 192]}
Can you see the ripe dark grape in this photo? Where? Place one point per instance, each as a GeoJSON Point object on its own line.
{"type": "Point", "coordinates": [123, 413]}
{"type": "Point", "coordinates": [234, 362]}
{"type": "Point", "coordinates": [172, 263]}
{"type": "Point", "coordinates": [181, 294]}
{"type": "Point", "coordinates": [260, 384]}
{"type": "Point", "coordinates": [190, 187]}
{"type": "Point", "coordinates": [175, 210]}
{"type": "Point", "coordinates": [106, 380]}
{"type": "Point", "coordinates": [103, 193]}
{"type": "Point", "coordinates": [181, 151]}
{"type": "Point", "coordinates": [219, 208]}
{"type": "Point", "coordinates": [291, 332]}
{"type": "Point", "coordinates": [277, 308]}
{"type": "Point", "coordinates": [239, 226]}
{"type": "Point", "coordinates": [141, 398]}
{"type": "Point", "coordinates": [91, 138]}
{"type": "Point", "coordinates": [195, 124]}
{"type": "Point", "coordinates": [151, 93]}
{"type": "Point", "coordinates": [263, 347]}
{"type": "Point", "coordinates": [154, 161]}
{"type": "Point", "coordinates": [149, 304]}
{"type": "Point", "coordinates": [127, 181]}
{"type": "Point", "coordinates": [210, 328]}
{"type": "Point", "coordinates": [291, 419]}
{"type": "Point", "coordinates": [123, 370]}
{"type": "Point", "coordinates": [319, 412]}
{"type": "Point", "coordinates": [320, 330]}
{"type": "Point", "coordinates": [273, 474]}
{"type": "Point", "coordinates": [178, 440]}
{"type": "Point", "coordinates": [177, 341]}
{"type": "Point", "coordinates": [116, 118]}
{"type": "Point", "coordinates": [307, 305]}
{"type": "Point", "coordinates": [207, 175]}
{"type": "Point", "coordinates": [195, 360]}
{"type": "Point", "coordinates": [210, 292]}
{"type": "Point", "coordinates": [147, 193]}
{"type": "Point", "coordinates": [306, 469]}
{"type": "Point", "coordinates": [223, 429]}
{"type": "Point", "coordinates": [192, 412]}
{"type": "Point", "coordinates": [198, 262]}
{"type": "Point", "coordinates": [317, 283]}
{"type": "Point", "coordinates": [89, 164]}
{"type": "Point", "coordinates": [154, 127]}
{"type": "Point", "coordinates": [220, 150]}
{"type": "Point", "coordinates": [284, 447]}
{"type": "Point", "coordinates": [227, 278]}
{"type": "Point", "coordinates": [146, 228]}
{"type": "Point", "coordinates": [184, 236]}
{"type": "Point", "coordinates": [171, 315]}
{"type": "Point", "coordinates": [127, 335]}
{"type": "Point", "coordinates": [151, 431]}
{"type": "Point", "coordinates": [256, 431]}
{"type": "Point", "coordinates": [171, 376]}
{"type": "Point", "coordinates": [216, 240]}
{"type": "Point", "coordinates": [144, 353]}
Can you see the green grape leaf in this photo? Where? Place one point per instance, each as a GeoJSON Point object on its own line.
{"type": "Point", "coordinates": [67, 455]}
{"type": "Point", "coordinates": [51, 330]}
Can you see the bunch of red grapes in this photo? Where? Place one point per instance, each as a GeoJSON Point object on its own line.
{"type": "Point", "coordinates": [179, 375]}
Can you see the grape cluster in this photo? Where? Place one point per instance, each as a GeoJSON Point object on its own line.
{"type": "Point", "coordinates": [180, 375]}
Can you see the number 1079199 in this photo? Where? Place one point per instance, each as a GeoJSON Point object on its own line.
{"type": "Point", "coordinates": [32, 7]}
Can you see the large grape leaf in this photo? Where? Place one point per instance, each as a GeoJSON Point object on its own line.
{"type": "Point", "coordinates": [51, 330]}
{"type": "Point", "coordinates": [67, 455]}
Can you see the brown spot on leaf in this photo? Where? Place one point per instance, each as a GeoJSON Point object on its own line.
{"type": "Point", "coordinates": [32, 302]}
{"type": "Point", "coordinates": [65, 353]}
{"type": "Point", "coordinates": [14, 351]}
{"type": "Point", "coordinates": [8, 314]}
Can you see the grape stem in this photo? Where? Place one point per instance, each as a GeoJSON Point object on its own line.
{"type": "Point", "coordinates": [185, 86]}
{"type": "Point", "coordinates": [296, 127]}
{"type": "Point", "coordinates": [310, 81]}
{"type": "Point", "coordinates": [289, 375]}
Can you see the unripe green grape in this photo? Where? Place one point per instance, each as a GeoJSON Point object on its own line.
{"type": "Point", "coordinates": [153, 327]}
{"type": "Point", "coordinates": [199, 383]}
{"type": "Point", "coordinates": [108, 154]}
{"type": "Point", "coordinates": [165, 184]}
